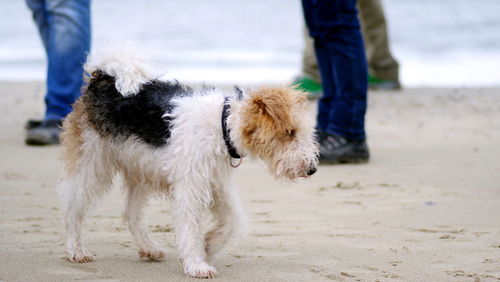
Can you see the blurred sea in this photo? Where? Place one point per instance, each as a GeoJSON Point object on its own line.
{"type": "Point", "coordinates": [438, 43]}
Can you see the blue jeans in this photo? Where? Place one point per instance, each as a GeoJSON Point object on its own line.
{"type": "Point", "coordinates": [64, 27]}
{"type": "Point", "coordinates": [342, 63]}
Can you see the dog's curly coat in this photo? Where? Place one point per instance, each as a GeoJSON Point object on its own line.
{"type": "Point", "coordinates": [167, 138]}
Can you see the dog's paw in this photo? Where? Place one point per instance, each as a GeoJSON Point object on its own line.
{"type": "Point", "coordinates": [79, 256]}
{"type": "Point", "coordinates": [152, 254]}
{"type": "Point", "coordinates": [200, 270]}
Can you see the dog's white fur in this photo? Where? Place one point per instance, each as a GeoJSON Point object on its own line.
{"type": "Point", "coordinates": [129, 67]}
{"type": "Point", "coordinates": [193, 169]}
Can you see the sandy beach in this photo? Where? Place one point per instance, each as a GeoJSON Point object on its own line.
{"type": "Point", "coordinates": [426, 207]}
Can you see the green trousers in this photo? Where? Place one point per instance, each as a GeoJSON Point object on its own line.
{"type": "Point", "coordinates": [381, 63]}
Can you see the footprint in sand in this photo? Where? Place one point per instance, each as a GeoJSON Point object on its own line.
{"type": "Point", "coordinates": [31, 218]}
{"type": "Point", "coordinates": [13, 176]}
{"type": "Point", "coordinates": [265, 235]}
{"type": "Point", "coordinates": [83, 272]}
{"type": "Point", "coordinates": [351, 202]}
{"type": "Point", "coordinates": [266, 221]}
{"type": "Point", "coordinates": [160, 229]}
{"type": "Point", "coordinates": [342, 186]}
{"type": "Point", "coordinates": [463, 274]}
{"type": "Point", "coordinates": [75, 270]}
{"type": "Point", "coordinates": [262, 201]}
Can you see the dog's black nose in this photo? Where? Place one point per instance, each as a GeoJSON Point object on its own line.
{"type": "Point", "coordinates": [311, 171]}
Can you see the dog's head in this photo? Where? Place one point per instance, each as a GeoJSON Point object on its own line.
{"type": "Point", "coordinates": [277, 128]}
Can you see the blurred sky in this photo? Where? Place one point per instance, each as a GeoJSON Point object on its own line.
{"type": "Point", "coordinates": [438, 43]}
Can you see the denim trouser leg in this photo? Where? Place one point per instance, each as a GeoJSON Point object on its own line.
{"type": "Point", "coordinates": [341, 58]}
{"type": "Point", "coordinates": [64, 26]}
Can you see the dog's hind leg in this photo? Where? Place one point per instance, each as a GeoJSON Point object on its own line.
{"type": "Point", "coordinates": [78, 192]}
{"type": "Point", "coordinates": [229, 219]}
{"type": "Point", "coordinates": [191, 204]}
{"type": "Point", "coordinates": [137, 198]}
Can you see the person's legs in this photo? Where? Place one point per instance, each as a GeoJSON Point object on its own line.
{"type": "Point", "coordinates": [380, 60]}
{"type": "Point", "coordinates": [342, 62]}
{"type": "Point", "coordinates": [68, 43]}
{"type": "Point", "coordinates": [64, 27]}
{"type": "Point", "coordinates": [383, 67]}
{"type": "Point", "coordinates": [341, 59]}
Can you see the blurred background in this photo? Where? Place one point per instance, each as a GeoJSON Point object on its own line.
{"type": "Point", "coordinates": [446, 43]}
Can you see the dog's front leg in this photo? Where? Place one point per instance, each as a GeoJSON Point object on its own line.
{"type": "Point", "coordinates": [190, 207]}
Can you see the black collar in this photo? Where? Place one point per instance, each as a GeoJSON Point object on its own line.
{"type": "Point", "coordinates": [225, 131]}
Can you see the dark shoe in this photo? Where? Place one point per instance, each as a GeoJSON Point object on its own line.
{"type": "Point", "coordinates": [375, 83]}
{"type": "Point", "coordinates": [32, 123]}
{"type": "Point", "coordinates": [334, 149]}
{"type": "Point", "coordinates": [43, 133]}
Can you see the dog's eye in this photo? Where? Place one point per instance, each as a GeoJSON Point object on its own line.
{"type": "Point", "coordinates": [291, 132]}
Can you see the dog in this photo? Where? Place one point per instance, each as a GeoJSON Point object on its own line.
{"type": "Point", "coordinates": [163, 137]}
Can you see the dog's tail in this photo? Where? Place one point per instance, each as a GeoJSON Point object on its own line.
{"type": "Point", "coordinates": [129, 69]}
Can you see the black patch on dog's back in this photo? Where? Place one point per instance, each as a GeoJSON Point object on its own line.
{"type": "Point", "coordinates": [139, 115]}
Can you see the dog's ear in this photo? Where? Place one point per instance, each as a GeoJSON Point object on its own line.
{"type": "Point", "coordinates": [274, 105]}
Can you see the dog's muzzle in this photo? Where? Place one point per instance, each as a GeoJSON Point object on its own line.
{"type": "Point", "coordinates": [311, 170]}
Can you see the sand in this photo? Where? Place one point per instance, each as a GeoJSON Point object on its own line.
{"type": "Point", "coordinates": [426, 207]}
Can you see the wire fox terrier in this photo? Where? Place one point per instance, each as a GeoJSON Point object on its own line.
{"type": "Point", "coordinates": [166, 138]}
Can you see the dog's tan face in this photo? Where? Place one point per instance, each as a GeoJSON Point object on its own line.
{"type": "Point", "coordinates": [277, 128]}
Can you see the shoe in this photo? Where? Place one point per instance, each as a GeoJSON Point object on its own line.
{"type": "Point", "coordinates": [334, 149]}
{"type": "Point", "coordinates": [309, 85]}
{"type": "Point", "coordinates": [43, 132]}
{"type": "Point", "coordinates": [32, 123]}
{"type": "Point", "coordinates": [375, 83]}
